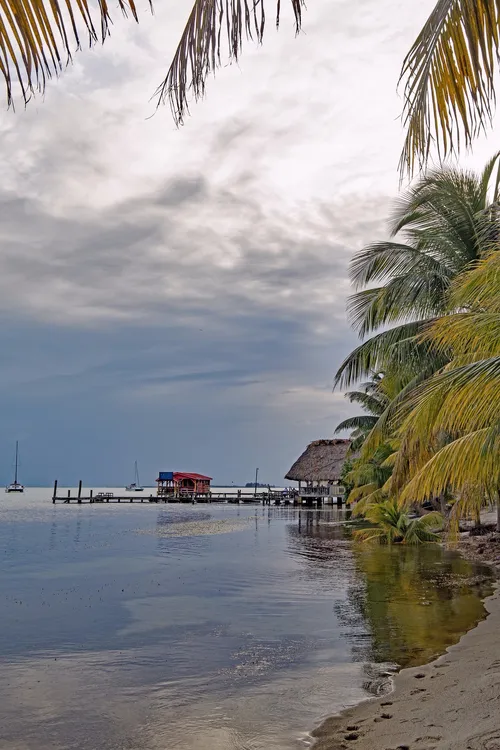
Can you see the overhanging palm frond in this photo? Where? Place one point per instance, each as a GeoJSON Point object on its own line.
{"type": "Point", "coordinates": [372, 355]}
{"type": "Point", "coordinates": [471, 335]}
{"type": "Point", "coordinates": [37, 38]}
{"type": "Point", "coordinates": [402, 298]}
{"type": "Point", "coordinates": [460, 400]}
{"type": "Point", "coordinates": [363, 422]}
{"type": "Point", "coordinates": [385, 424]}
{"type": "Point", "coordinates": [478, 289]}
{"type": "Point", "coordinates": [373, 403]}
{"type": "Point", "coordinates": [449, 72]}
{"type": "Point", "coordinates": [212, 26]}
{"type": "Point", "coordinates": [386, 259]}
{"type": "Point", "coordinates": [471, 459]}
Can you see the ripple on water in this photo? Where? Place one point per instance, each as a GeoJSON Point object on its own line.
{"type": "Point", "coordinates": [196, 528]}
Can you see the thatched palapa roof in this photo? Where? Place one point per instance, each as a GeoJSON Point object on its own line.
{"type": "Point", "coordinates": [322, 460]}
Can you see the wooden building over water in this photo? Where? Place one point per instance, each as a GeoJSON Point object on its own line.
{"type": "Point", "coordinates": [175, 485]}
{"type": "Point", "coordinates": [318, 471]}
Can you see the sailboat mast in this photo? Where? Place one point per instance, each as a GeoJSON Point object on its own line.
{"type": "Point", "coordinates": [17, 448]}
{"type": "Point", "coordinates": [137, 475]}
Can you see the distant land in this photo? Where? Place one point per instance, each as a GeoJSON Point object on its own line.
{"type": "Point", "coordinates": [252, 484]}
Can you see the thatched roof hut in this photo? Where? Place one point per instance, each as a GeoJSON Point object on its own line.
{"type": "Point", "coordinates": [321, 461]}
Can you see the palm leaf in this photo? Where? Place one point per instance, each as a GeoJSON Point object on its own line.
{"type": "Point", "coordinates": [373, 403]}
{"type": "Point", "coordinates": [381, 260]}
{"type": "Point", "coordinates": [373, 354]}
{"type": "Point", "coordinates": [37, 38]}
{"type": "Point", "coordinates": [471, 459]}
{"type": "Point", "coordinates": [449, 74]}
{"type": "Point", "coordinates": [402, 299]}
{"type": "Point", "coordinates": [363, 422]}
{"type": "Point", "coordinates": [213, 25]}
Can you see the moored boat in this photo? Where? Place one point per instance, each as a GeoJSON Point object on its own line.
{"type": "Point", "coordinates": [135, 486]}
{"type": "Point", "coordinates": [15, 486]}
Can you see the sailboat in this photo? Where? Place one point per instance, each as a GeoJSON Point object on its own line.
{"type": "Point", "coordinates": [15, 486]}
{"type": "Point", "coordinates": [135, 486]}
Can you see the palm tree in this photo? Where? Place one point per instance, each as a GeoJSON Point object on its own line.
{"type": "Point", "coordinates": [462, 401]}
{"type": "Point", "coordinates": [389, 524]}
{"type": "Point", "coordinates": [445, 221]}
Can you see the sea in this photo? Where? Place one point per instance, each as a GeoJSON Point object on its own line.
{"type": "Point", "coordinates": [207, 627]}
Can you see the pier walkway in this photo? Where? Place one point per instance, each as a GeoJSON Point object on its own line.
{"type": "Point", "coordinates": [277, 497]}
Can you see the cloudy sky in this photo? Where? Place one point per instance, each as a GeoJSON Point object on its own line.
{"type": "Point", "coordinates": [177, 296]}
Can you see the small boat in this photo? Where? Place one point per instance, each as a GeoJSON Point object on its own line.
{"type": "Point", "coordinates": [135, 486]}
{"type": "Point", "coordinates": [15, 486]}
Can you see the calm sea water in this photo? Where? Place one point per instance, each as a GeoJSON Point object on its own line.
{"type": "Point", "coordinates": [205, 627]}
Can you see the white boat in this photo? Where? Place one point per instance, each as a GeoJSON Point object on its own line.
{"type": "Point", "coordinates": [135, 486]}
{"type": "Point", "coordinates": [15, 486]}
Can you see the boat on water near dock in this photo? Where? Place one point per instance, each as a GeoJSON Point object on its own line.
{"type": "Point", "coordinates": [15, 486]}
{"type": "Point", "coordinates": [135, 486]}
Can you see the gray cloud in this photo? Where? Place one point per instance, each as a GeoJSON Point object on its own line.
{"type": "Point", "coordinates": [192, 282]}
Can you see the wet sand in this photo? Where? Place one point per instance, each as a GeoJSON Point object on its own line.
{"type": "Point", "coordinates": [450, 704]}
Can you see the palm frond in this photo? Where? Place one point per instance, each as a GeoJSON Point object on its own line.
{"type": "Point", "coordinates": [472, 335]}
{"type": "Point", "coordinates": [401, 299]}
{"type": "Point", "coordinates": [363, 422]}
{"type": "Point", "coordinates": [213, 25]}
{"type": "Point", "coordinates": [471, 459]}
{"type": "Point", "coordinates": [373, 403]}
{"type": "Point", "coordinates": [37, 39]}
{"type": "Point", "coordinates": [378, 351]}
{"type": "Point", "coordinates": [386, 424]}
{"type": "Point", "coordinates": [382, 260]}
{"type": "Point", "coordinates": [478, 289]}
{"type": "Point", "coordinates": [459, 400]}
{"type": "Point", "coordinates": [449, 72]}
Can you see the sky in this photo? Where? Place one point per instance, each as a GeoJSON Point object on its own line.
{"type": "Point", "coordinates": [177, 296]}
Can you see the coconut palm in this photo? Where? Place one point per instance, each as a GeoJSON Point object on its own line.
{"type": "Point", "coordinates": [444, 222]}
{"type": "Point", "coordinates": [390, 524]}
{"type": "Point", "coordinates": [462, 401]}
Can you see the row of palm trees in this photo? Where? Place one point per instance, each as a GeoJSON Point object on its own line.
{"type": "Point", "coordinates": [427, 309]}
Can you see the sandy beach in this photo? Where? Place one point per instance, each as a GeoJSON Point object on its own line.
{"type": "Point", "coordinates": [453, 703]}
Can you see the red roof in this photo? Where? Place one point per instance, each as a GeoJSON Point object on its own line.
{"type": "Point", "coordinates": [178, 475]}
{"type": "Point", "coordinates": [186, 475]}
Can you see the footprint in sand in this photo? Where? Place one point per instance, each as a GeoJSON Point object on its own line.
{"type": "Point", "coordinates": [485, 741]}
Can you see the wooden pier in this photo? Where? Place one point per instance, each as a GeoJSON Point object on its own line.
{"type": "Point", "coordinates": [277, 497]}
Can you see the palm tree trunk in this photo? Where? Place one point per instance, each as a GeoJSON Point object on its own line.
{"type": "Point", "coordinates": [477, 519]}
{"type": "Point", "coordinates": [498, 509]}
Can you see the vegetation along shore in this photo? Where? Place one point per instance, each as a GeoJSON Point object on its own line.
{"type": "Point", "coordinates": [424, 462]}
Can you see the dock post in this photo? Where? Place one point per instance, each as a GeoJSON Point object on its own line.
{"type": "Point", "coordinates": [91, 496]}
{"type": "Point", "coordinates": [80, 491]}
{"type": "Point", "coordinates": [69, 495]}
{"type": "Point", "coordinates": [54, 494]}
{"type": "Point", "coordinates": [339, 502]}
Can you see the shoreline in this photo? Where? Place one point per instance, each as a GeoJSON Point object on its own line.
{"type": "Point", "coordinates": [451, 703]}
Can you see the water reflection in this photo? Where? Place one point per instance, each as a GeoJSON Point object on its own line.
{"type": "Point", "coordinates": [225, 640]}
{"type": "Point", "coordinates": [415, 601]}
